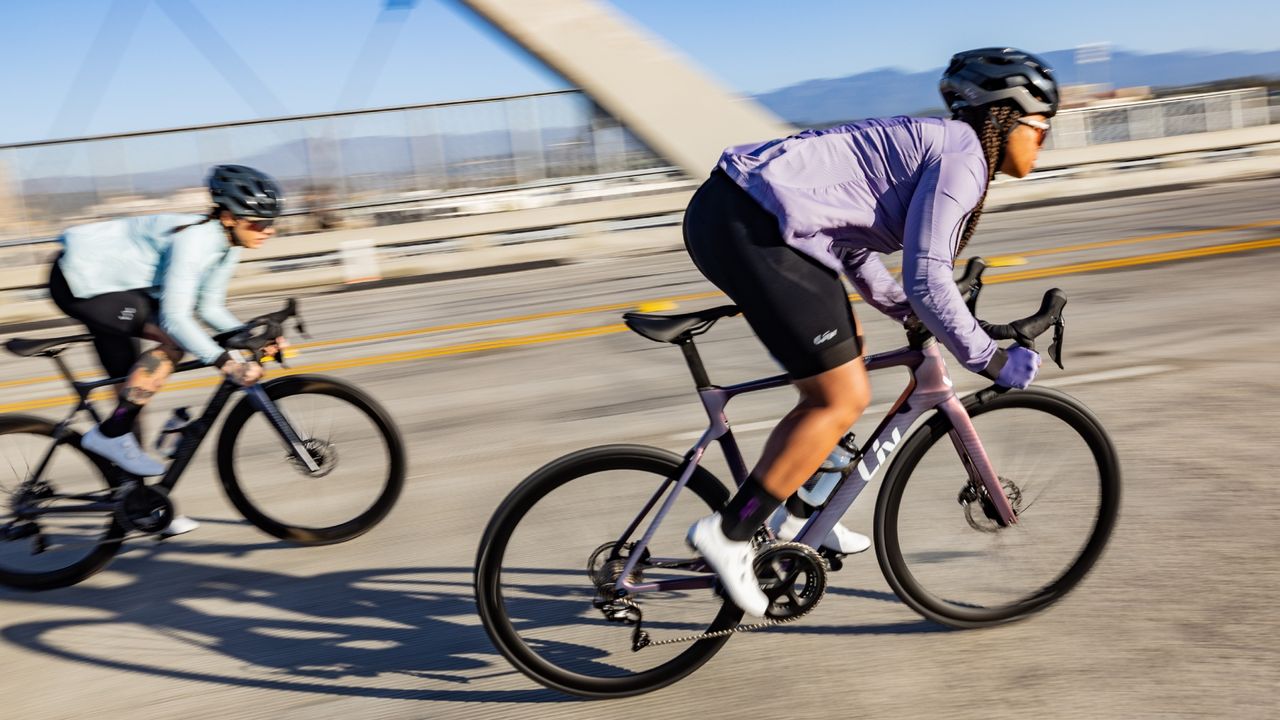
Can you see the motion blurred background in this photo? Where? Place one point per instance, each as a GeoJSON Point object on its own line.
{"type": "Point", "coordinates": [477, 189]}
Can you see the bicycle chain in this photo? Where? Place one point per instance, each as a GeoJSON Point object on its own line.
{"type": "Point", "coordinates": [721, 633]}
{"type": "Point", "coordinates": [643, 641]}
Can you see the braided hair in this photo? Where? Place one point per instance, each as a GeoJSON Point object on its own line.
{"type": "Point", "coordinates": [993, 124]}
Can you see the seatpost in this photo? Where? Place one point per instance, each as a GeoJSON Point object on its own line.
{"type": "Point", "coordinates": [62, 367]}
{"type": "Point", "coordinates": [694, 361]}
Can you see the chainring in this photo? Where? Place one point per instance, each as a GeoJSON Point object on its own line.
{"type": "Point", "coordinates": [144, 508]}
{"type": "Point", "coordinates": [794, 578]}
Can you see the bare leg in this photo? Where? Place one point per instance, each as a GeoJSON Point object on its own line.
{"type": "Point", "coordinates": [145, 380]}
{"type": "Point", "coordinates": [830, 403]}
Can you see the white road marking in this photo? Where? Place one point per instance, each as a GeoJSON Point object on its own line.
{"type": "Point", "coordinates": [1105, 375]}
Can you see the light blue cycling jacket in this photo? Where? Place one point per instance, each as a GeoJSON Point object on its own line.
{"type": "Point", "coordinates": [848, 193]}
{"type": "Point", "coordinates": [187, 272]}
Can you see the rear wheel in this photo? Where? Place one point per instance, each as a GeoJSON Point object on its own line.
{"type": "Point", "coordinates": [936, 537]}
{"type": "Point", "coordinates": [561, 536]}
{"type": "Point", "coordinates": [51, 550]}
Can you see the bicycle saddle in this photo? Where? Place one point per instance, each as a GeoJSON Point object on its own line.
{"type": "Point", "coordinates": [675, 328]}
{"type": "Point", "coordinates": [26, 348]}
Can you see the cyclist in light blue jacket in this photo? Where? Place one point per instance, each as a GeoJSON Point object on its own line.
{"type": "Point", "coordinates": [151, 277]}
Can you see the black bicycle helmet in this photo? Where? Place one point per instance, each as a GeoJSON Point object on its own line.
{"type": "Point", "coordinates": [245, 192]}
{"type": "Point", "coordinates": [975, 78]}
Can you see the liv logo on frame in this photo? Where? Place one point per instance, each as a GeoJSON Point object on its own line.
{"type": "Point", "coordinates": [879, 453]}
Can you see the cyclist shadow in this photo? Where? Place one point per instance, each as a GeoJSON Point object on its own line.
{"type": "Point", "coordinates": [919, 625]}
{"type": "Point", "coordinates": [399, 633]}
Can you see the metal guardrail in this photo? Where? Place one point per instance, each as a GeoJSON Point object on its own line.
{"type": "Point", "coordinates": [411, 163]}
{"type": "Point", "coordinates": [328, 163]}
{"type": "Point", "coordinates": [1160, 118]}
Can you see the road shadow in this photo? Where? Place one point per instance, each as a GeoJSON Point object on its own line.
{"type": "Point", "coordinates": [317, 634]}
{"type": "Point", "coordinates": [376, 633]}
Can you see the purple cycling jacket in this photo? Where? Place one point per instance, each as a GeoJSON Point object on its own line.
{"type": "Point", "coordinates": [848, 193]}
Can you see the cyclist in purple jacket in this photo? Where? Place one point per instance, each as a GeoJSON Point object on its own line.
{"type": "Point", "coordinates": [777, 224]}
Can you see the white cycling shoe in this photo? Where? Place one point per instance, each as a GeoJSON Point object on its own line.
{"type": "Point", "coordinates": [841, 539]}
{"type": "Point", "coordinates": [123, 451]}
{"type": "Point", "coordinates": [732, 562]}
{"type": "Point", "coordinates": [180, 525]}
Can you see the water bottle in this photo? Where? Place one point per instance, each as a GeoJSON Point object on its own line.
{"type": "Point", "coordinates": [171, 434]}
{"type": "Point", "coordinates": [818, 488]}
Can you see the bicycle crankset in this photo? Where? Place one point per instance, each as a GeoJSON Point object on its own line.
{"type": "Point", "coordinates": [792, 575]}
{"type": "Point", "coordinates": [975, 495]}
{"type": "Point", "coordinates": [794, 578]}
{"type": "Point", "coordinates": [144, 508]}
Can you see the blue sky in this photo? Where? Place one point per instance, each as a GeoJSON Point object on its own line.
{"type": "Point", "coordinates": [297, 56]}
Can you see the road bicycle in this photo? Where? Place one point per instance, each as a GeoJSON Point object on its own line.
{"type": "Point", "coordinates": [993, 507]}
{"type": "Point", "coordinates": [305, 458]}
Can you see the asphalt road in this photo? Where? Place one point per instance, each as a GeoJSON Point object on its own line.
{"type": "Point", "coordinates": [1171, 340]}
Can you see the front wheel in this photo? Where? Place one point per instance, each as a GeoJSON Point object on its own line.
{"type": "Point", "coordinates": [554, 549]}
{"type": "Point", "coordinates": [354, 443]}
{"type": "Point", "coordinates": [937, 540]}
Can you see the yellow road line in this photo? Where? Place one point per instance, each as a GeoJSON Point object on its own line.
{"type": "Point", "coordinates": [1150, 259]}
{"type": "Point", "coordinates": [612, 307]}
{"type": "Point", "coordinates": [1147, 238]}
{"type": "Point", "coordinates": [434, 329]}
{"type": "Point", "coordinates": [1012, 276]}
{"type": "Point", "coordinates": [385, 359]}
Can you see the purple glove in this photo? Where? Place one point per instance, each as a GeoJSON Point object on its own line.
{"type": "Point", "coordinates": [1019, 369]}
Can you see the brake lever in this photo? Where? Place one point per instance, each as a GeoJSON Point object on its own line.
{"type": "Point", "coordinates": [972, 300]}
{"type": "Point", "coordinates": [1059, 334]}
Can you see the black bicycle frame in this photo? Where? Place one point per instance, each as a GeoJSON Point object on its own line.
{"type": "Point", "coordinates": [192, 435]}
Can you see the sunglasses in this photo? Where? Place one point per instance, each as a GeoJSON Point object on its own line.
{"type": "Point", "coordinates": [259, 224]}
{"type": "Point", "coordinates": [1043, 127]}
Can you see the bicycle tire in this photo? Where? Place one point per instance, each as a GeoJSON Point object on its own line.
{"type": "Point", "coordinates": [113, 533]}
{"type": "Point", "coordinates": [292, 386]}
{"type": "Point", "coordinates": [493, 546]}
{"type": "Point", "coordinates": [888, 517]}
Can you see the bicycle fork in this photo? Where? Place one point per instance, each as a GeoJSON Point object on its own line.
{"type": "Point", "coordinates": [283, 427]}
{"type": "Point", "coordinates": [974, 456]}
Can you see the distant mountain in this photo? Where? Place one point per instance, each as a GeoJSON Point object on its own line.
{"type": "Point", "coordinates": [888, 91]}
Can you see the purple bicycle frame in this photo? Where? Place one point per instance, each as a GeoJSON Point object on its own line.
{"type": "Point", "coordinates": [929, 388]}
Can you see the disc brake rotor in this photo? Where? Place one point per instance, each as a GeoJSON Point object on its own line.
{"type": "Point", "coordinates": [323, 453]}
{"type": "Point", "coordinates": [980, 512]}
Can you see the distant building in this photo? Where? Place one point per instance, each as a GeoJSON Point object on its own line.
{"type": "Point", "coordinates": [1094, 94]}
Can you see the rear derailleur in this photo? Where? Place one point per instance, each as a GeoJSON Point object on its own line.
{"type": "Point", "coordinates": [605, 568]}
